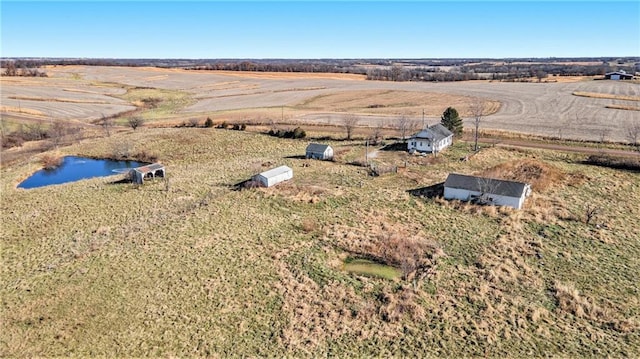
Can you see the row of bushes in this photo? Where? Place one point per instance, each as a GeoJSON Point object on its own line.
{"type": "Point", "coordinates": [295, 133]}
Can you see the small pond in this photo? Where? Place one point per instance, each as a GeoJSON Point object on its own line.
{"type": "Point", "coordinates": [75, 168]}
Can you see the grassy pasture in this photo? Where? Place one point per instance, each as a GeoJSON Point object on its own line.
{"type": "Point", "coordinates": [99, 269]}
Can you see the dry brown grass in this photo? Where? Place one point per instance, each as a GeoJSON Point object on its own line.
{"type": "Point", "coordinates": [51, 160]}
{"type": "Point", "coordinates": [21, 110]}
{"type": "Point", "coordinates": [622, 107]}
{"type": "Point", "coordinates": [55, 99]}
{"type": "Point", "coordinates": [606, 96]}
{"type": "Point", "coordinates": [538, 174]}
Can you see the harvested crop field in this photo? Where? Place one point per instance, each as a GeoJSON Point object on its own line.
{"type": "Point", "coordinates": [549, 109]}
{"type": "Point", "coordinates": [193, 267]}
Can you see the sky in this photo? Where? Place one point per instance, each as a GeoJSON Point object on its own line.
{"type": "Point", "coordinates": [321, 29]}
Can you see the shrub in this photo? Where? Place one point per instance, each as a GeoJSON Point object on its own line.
{"type": "Point", "coordinates": [50, 161]}
{"type": "Point", "coordinates": [299, 133]}
{"type": "Point", "coordinates": [208, 123]}
{"type": "Point", "coordinates": [295, 133]}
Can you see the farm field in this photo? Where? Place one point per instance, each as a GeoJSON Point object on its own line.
{"type": "Point", "coordinates": [193, 267]}
{"type": "Point", "coordinates": [86, 93]}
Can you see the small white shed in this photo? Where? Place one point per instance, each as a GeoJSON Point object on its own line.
{"type": "Point", "coordinates": [274, 176]}
{"type": "Point", "coordinates": [486, 190]}
{"type": "Point", "coordinates": [319, 151]}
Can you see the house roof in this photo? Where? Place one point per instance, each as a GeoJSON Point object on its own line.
{"type": "Point", "coordinates": [276, 171]}
{"type": "Point", "coordinates": [436, 132]}
{"type": "Point", "coordinates": [317, 148]}
{"type": "Point", "coordinates": [485, 185]}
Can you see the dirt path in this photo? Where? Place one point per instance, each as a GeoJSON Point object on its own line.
{"type": "Point", "coordinates": [559, 147]}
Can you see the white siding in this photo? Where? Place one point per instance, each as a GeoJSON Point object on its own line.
{"type": "Point", "coordinates": [465, 195]}
{"type": "Point", "coordinates": [275, 176]}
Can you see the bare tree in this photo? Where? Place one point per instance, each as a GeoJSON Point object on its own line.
{"type": "Point", "coordinates": [377, 131]}
{"type": "Point", "coordinates": [193, 122]}
{"type": "Point", "coordinates": [487, 188]}
{"type": "Point", "coordinates": [57, 131]}
{"type": "Point", "coordinates": [405, 125]}
{"type": "Point", "coordinates": [477, 108]}
{"type": "Point", "coordinates": [135, 122]}
{"type": "Point", "coordinates": [591, 212]}
{"type": "Point", "coordinates": [349, 122]}
{"type": "Point", "coordinates": [106, 124]}
{"type": "Point", "coordinates": [633, 134]}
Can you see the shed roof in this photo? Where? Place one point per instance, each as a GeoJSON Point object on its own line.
{"type": "Point", "coordinates": [621, 73]}
{"type": "Point", "coordinates": [486, 185]}
{"type": "Point", "coordinates": [317, 148]}
{"type": "Point", "coordinates": [149, 168]}
{"type": "Point", "coordinates": [276, 171]}
{"type": "Point", "coordinates": [435, 132]}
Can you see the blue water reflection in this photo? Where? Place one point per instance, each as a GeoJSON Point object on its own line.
{"type": "Point", "coordinates": [75, 168]}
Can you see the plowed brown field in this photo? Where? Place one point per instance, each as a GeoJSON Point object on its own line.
{"type": "Point", "coordinates": [550, 109]}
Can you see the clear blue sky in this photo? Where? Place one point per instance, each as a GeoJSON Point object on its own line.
{"type": "Point", "coordinates": [305, 29]}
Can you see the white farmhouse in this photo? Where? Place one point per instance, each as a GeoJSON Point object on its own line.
{"type": "Point", "coordinates": [432, 139]}
{"type": "Point", "coordinates": [274, 176]}
{"type": "Point", "coordinates": [486, 190]}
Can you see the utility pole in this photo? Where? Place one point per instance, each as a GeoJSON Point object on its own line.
{"type": "Point", "coordinates": [366, 153]}
{"type": "Point", "coordinates": [423, 119]}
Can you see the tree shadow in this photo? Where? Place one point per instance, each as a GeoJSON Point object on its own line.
{"type": "Point", "coordinates": [396, 146]}
{"type": "Point", "coordinates": [433, 191]}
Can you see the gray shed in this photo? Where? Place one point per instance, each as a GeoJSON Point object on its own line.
{"type": "Point", "coordinates": [138, 175]}
{"type": "Point", "coordinates": [486, 190]}
{"type": "Point", "coordinates": [319, 151]}
{"type": "Point", "coordinates": [274, 176]}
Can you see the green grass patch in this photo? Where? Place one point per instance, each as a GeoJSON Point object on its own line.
{"type": "Point", "coordinates": [372, 269]}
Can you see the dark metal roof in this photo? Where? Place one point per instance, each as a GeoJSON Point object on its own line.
{"type": "Point", "coordinates": [317, 148]}
{"type": "Point", "coordinates": [436, 132]}
{"type": "Point", "coordinates": [486, 185]}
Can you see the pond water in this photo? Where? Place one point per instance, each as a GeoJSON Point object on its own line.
{"type": "Point", "coordinates": [75, 168]}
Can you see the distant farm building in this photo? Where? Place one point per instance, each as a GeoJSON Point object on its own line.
{"type": "Point", "coordinates": [319, 151]}
{"type": "Point", "coordinates": [486, 190]}
{"type": "Point", "coordinates": [274, 176]}
{"type": "Point", "coordinates": [138, 175]}
{"type": "Point", "coordinates": [618, 75]}
{"type": "Point", "coordinates": [432, 139]}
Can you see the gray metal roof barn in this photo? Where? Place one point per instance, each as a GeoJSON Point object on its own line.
{"type": "Point", "coordinates": [319, 151]}
{"type": "Point", "coordinates": [486, 190]}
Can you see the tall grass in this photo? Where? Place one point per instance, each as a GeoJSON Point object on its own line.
{"type": "Point", "coordinates": [99, 269]}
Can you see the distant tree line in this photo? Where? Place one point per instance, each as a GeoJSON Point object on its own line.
{"type": "Point", "coordinates": [22, 68]}
{"type": "Point", "coordinates": [374, 69]}
{"type": "Point", "coordinates": [320, 67]}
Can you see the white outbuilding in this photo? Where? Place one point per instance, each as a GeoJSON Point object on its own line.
{"type": "Point", "coordinates": [274, 176]}
{"type": "Point", "coordinates": [319, 151]}
{"type": "Point", "coordinates": [432, 139]}
{"type": "Point", "coordinates": [486, 190]}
